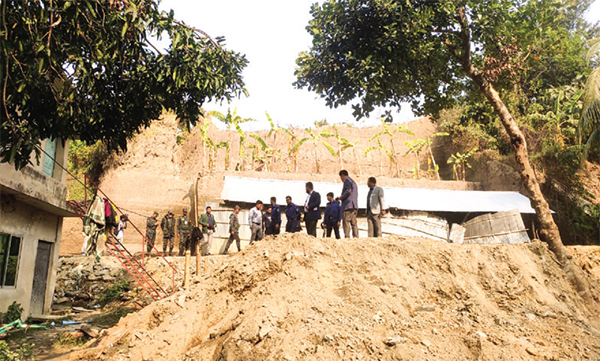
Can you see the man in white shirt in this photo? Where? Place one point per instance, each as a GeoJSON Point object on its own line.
{"type": "Point", "coordinates": [255, 222]}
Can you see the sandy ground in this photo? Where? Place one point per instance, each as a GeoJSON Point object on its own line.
{"type": "Point", "coordinates": [301, 298]}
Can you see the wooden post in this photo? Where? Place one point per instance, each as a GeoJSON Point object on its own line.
{"type": "Point", "coordinates": [198, 257]}
{"type": "Point", "coordinates": [186, 272]}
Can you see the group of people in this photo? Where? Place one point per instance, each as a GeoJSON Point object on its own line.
{"type": "Point", "coordinates": [339, 211]}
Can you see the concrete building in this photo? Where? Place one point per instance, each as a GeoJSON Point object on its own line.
{"type": "Point", "coordinates": [33, 205]}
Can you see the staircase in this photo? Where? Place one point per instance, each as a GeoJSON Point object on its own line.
{"type": "Point", "coordinates": [135, 268]}
{"type": "Point", "coordinates": [118, 250]}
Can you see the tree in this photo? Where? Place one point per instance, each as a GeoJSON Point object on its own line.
{"type": "Point", "coordinates": [590, 112]}
{"type": "Point", "coordinates": [415, 146]}
{"type": "Point", "coordinates": [230, 118]}
{"type": "Point", "coordinates": [293, 152]}
{"type": "Point", "coordinates": [434, 53]}
{"type": "Point", "coordinates": [242, 146]}
{"type": "Point", "coordinates": [460, 162]}
{"type": "Point", "coordinates": [227, 158]}
{"type": "Point", "coordinates": [88, 70]}
{"type": "Point", "coordinates": [314, 137]}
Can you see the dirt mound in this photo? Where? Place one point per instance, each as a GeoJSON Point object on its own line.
{"type": "Point", "coordinates": [301, 298]}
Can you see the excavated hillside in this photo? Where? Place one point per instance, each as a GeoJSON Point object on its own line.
{"type": "Point", "coordinates": [301, 298]}
{"type": "Point", "coordinates": [157, 173]}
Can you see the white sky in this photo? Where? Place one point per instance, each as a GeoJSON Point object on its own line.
{"type": "Point", "coordinates": [271, 33]}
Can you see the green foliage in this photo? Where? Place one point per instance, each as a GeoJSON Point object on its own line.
{"type": "Point", "coordinates": [589, 125]}
{"type": "Point", "coordinates": [87, 69]}
{"type": "Point", "coordinates": [85, 160]}
{"type": "Point", "coordinates": [68, 340]}
{"type": "Point", "coordinates": [24, 352]}
{"type": "Point", "coordinates": [114, 291]}
{"type": "Point", "coordinates": [12, 314]}
{"type": "Point", "coordinates": [460, 161]}
{"type": "Point", "coordinates": [230, 118]}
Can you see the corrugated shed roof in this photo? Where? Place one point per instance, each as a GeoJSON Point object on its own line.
{"type": "Point", "coordinates": [248, 190]}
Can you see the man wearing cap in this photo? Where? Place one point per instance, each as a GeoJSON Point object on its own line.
{"type": "Point", "coordinates": [168, 228]}
{"type": "Point", "coordinates": [207, 221]}
{"type": "Point", "coordinates": [234, 230]}
{"type": "Point", "coordinates": [151, 225]}
{"type": "Point", "coordinates": [184, 228]}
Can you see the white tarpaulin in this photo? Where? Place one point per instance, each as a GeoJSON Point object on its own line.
{"type": "Point", "coordinates": [248, 190]}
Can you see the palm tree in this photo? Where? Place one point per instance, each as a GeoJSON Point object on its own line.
{"type": "Point", "coordinates": [590, 112]}
{"type": "Point", "coordinates": [460, 163]}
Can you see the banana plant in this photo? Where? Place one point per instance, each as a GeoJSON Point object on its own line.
{"type": "Point", "coordinates": [460, 163]}
{"type": "Point", "coordinates": [242, 148]}
{"type": "Point", "coordinates": [210, 144]}
{"type": "Point", "coordinates": [391, 133]}
{"type": "Point", "coordinates": [268, 152]}
{"type": "Point", "coordinates": [227, 148]}
{"type": "Point", "coordinates": [431, 164]}
{"type": "Point", "coordinates": [204, 138]}
{"type": "Point", "coordinates": [346, 144]}
{"type": "Point", "coordinates": [293, 152]}
{"type": "Point", "coordinates": [415, 146]}
{"type": "Point", "coordinates": [383, 150]}
{"type": "Point", "coordinates": [314, 137]}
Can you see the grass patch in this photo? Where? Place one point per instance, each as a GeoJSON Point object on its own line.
{"type": "Point", "coordinates": [112, 318]}
{"type": "Point", "coordinates": [114, 292]}
{"type": "Point", "coordinates": [69, 340]}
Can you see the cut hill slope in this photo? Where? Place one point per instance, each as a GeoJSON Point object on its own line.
{"type": "Point", "coordinates": [301, 298]}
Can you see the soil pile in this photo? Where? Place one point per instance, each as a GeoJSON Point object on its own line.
{"type": "Point", "coordinates": [301, 298]}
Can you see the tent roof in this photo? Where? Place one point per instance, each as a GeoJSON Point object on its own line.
{"type": "Point", "coordinates": [248, 190]}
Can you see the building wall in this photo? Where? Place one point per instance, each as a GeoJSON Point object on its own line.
{"type": "Point", "coordinates": [32, 225]}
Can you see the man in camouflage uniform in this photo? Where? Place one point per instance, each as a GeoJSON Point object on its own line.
{"type": "Point", "coordinates": [234, 230]}
{"type": "Point", "coordinates": [184, 228]}
{"type": "Point", "coordinates": [168, 227]}
{"type": "Point", "coordinates": [151, 225]}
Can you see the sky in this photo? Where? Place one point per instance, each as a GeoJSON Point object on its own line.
{"type": "Point", "coordinates": [271, 33]}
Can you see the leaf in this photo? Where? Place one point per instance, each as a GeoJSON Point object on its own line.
{"type": "Point", "coordinates": [298, 145]}
{"type": "Point", "coordinates": [332, 151]}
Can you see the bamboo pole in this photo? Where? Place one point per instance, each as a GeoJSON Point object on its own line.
{"type": "Point", "coordinates": [186, 274]}
{"type": "Point", "coordinates": [198, 257]}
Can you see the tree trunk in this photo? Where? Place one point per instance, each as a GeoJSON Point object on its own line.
{"type": "Point", "coordinates": [394, 156]}
{"type": "Point", "coordinates": [357, 161]}
{"type": "Point", "coordinates": [548, 230]}
{"type": "Point", "coordinates": [437, 173]}
{"type": "Point", "coordinates": [317, 159]}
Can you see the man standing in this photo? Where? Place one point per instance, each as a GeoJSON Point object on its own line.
{"type": "Point", "coordinates": [184, 228]}
{"type": "Point", "coordinates": [266, 221]}
{"type": "Point", "coordinates": [333, 216]}
{"type": "Point", "coordinates": [349, 200]}
{"type": "Point", "coordinates": [207, 221]}
{"type": "Point", "coordinates": [275, 217]}
{"type": "Point", "coordinates": [234, 230]}
{"type": "Point", "coordinates": [255, 222]}
{"type": "Point", "coordinates": [292, 214]}
{"type": "Point", "coordinates": [168, 228]}
{"type": "Point", "coordinates": [151, 225]}
{"type": "Point", "coordinates": [375, 207]}
{"type": "Point", "coordinates": [312, 209]}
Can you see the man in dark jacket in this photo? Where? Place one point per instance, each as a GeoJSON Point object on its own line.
{"type": "Point", "coordinates": [349, 200]}
{"type": "Point", "coordinates": [151, 225]}
{"type": "Point", "coordinates": [168, 227]}
{"type": "Point", "coordinates": [333, 216]}
{"type": "Point", "coordinates": [275, 217]}
{"type": "Point", "coordinates": [312, 209]}
{"type": "Point", "coordinates": [292, 214]}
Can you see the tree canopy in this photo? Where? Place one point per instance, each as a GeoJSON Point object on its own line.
{"type": "Point", "coordinates": [384, 52]}
{"type": "Point", "coordinates": [89, 70]}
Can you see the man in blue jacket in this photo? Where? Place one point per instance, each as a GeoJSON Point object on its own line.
{"type": "Point", "coordinates": [333, 216]}
{"type": "Point", "coordinates": [292, 214]}
{"type": "Point", "coordinates": [275, 217]}
{"type": "Point", "coordinates": [349, 200]}
{"type": "Point", "coordinates": [312, 210]}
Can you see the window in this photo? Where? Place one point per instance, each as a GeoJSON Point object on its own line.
{"type": "Point", "coordinates": [48, 166]}
{"type": "Point", "coordinates": [10, 248]}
